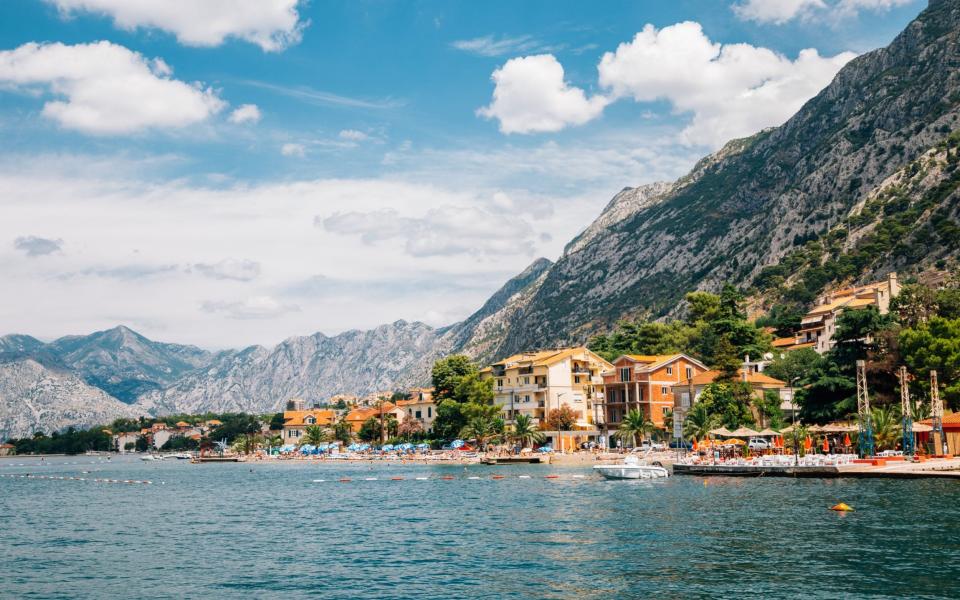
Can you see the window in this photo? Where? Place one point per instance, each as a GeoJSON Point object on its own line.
{"type": "Point", "coordinates": [666, 409]}
{"type": "Point", "coordinates": [419, 415]}
{"type": "Point", "coordinates": [499, 383]}
{"type": "Point", "coordinates": [526, 381]}
{"type": "Point", "coordinates": [664, 390]}
{"type": "Point", "coordinates": [429, 412]}
{"type": "Point", "coordinates": [309, 420]}
{"type": "Point", "coordinates": [625, 374]}
{"type": "Point", "coordinates": [576, 379]}
{"type": "Point", "coordinates": [526, 398]}
{"type": "Point", "coordinates": [689, 373]}
{"type": "Point", "coordinates": [685, 400]}
{"type": "Point", "coordinates": [669, 370]}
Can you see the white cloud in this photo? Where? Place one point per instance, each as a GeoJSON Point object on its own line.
{"type": "Point", "coordinates": [230, 268]}
{"type": "Point", "coordinates": [730, 90]}
{"type": "Point", "coordinates": [105, 89]}
{"type": "Point", "coordinates": [353, 135]}
{"type": "Point", "coordinates": [245, 113]}
{"type": "Point", "coordinates": [34, 246]}
{"type": "Point", "coordinates": [491, 45]}
{"type": "Point", "coordinates": [291, 149]}
{"type": "Point", "coordinates": [443, 231]}
{"type": "Point", "coordinates": [776, 11]}
{"type": "Point", "coordinates": [255, 307]}
{"type": "Point", "coordinates": [270, 24]}
{"type": "Point", "coordinates": [779, 12]}
{"type": "Point", "coordinates": [530, 95]}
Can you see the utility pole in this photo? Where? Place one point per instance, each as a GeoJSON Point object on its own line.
{"type": "Point", "coordinates": [907, 423]}
{"type": "Point", "coordinates": [863, 411]}
{"type": "Point", "coordinates": [936, 411]}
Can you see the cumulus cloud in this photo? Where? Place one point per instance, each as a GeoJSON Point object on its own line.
{"type": "Point", "coordinates": [103, 88]}
{"type": "Point", "coordinates": [530, 95]}
{"type": "Point", "coordinates": [255, 307]}
{"type": "Point", "coordinates": [443, 231]}
{"type": "Point", "coordinates": [291, 149]}
{"type": "Point", "coordinates": [270, 24]}
{"type": "Point", "coordinates": [245, 113]}
{"type": "Point", "coordinates": [230, 268]}
{"type": "Point", "coordinates": [730, 90]}
{"type": "Point", "coordinates": [779, 12]}
{"type": "Point", "coordinates": [34, 246]}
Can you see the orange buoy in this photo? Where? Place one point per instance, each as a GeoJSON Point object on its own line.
{"type": "Point", "coordinates": [842, 507]}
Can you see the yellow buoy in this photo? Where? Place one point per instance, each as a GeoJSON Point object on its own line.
{"type": "Point", "coordinates": [842, 507]}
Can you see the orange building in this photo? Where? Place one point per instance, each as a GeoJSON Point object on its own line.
{"type": "Point", "coordinates": [640, 382]}
{"type": "Point", "coordinates": [358, 416]}
{"type": "Point", "coordinates": [295, 422]}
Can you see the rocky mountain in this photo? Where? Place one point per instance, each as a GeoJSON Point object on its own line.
{"type": "Point", "coordinates": [36, 398]}
{"type": "Point", "coordinates": [761, 198]}
{"type": "Point", "coordinates": [313, 367]}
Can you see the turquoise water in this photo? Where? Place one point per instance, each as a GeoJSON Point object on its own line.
{"type": "Point", "coordinates": [225, 531]}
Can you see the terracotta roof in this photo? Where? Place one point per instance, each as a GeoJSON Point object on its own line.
{"type": "Point", "coordinates": [412, 401]}
{"type": "Point", "coordinates": [214, 422]}
{"type": "Point", "coordinates": [182, 424]}
{"type": "Point", "coordinates": [7, 446]}
{"type": "Point", "coordinates": [949, 419]}
{"type": "Point", "coordinates": [784, 341]}
{"type": "Point", "coordinates": [545, 358]}
{"type": "Point", "coordinates": [296, 418]}
{"type": "Point", "coordinates": [708, 377]}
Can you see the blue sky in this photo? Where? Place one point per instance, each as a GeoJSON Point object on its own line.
{"type": "Point", "coordinates": [402, 158]}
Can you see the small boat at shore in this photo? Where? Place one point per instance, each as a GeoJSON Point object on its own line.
{"type": "Point", "coordinates": [149, 457]}
{"type": "Point", "coordinates": [631, 468]}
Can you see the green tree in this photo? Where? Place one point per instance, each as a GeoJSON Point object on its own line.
{"type": "Point", "coordinates": [727, 362]}
{"type": "Point", "coordinates": [561, 419]}
{"type": "Point", "coordinates": [482, 429]}
{"type": "Point", "coordinates": [796, 367]}
{"type": "Point", "coordinates": [635, 427]}
{"type": "Point", "coordinates": [768, 407]}
{"type": "Point", "coordinates": [702, 306]}
{"type": "Point", "coordinates": [449, 420]}
{"type": "Point", "coordinates": [886, 428]}
{"type": "Point", "coordinates": [934, 345]}
{"type": "Point", "coordinates": [524, 432]}
{"type": "Point", "coordinates": [370, 430]}
{"type": "Point", "coordinates": [410, 429]}
{"type": "Point", "coordinates": [471, 388]}
{"type": "Point", "coordinates": [342, 431]}
{"type": "Point", "coordinates": [273, 441]}
{"type": "Point", "coordinates": [314, 435]}
{"type": "Point", "coordinates": [142, 443]}
{"type": "Point", "coordinates": [447, 373]}
{"type": "Point", "coordinates": [276, 422]}
{"type": "Point", "coordinates": [234, 425]}
{"type": "Point", "coordinates": [914, 304]}
{"type": "Point", "coordinates": [699, 422]}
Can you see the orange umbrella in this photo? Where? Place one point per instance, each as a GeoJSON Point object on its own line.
{"type": "Point", "coordinates": [846, 439]}
{"type": "Point", "coordinates": [695, 447]}
{"type": "Point", "coordinates": [808, 443]}
{"type": "Point", "coordinates": [826, 446]}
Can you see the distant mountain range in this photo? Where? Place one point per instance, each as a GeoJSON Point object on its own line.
{"type": "Point", "coordinates": [862, 179]}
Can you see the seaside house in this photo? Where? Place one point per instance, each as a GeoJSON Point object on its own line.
{"type": "Point", "coordinates": [820, 324]}
{"type": "Point", "coordinates": [7, 449]}
{"type": "Point", "coordinates": [295, 422]}
{"type": "Point", "coordinates": [420, 407]}
{"type": "Point", "coordinates": [120, 440]}
{"type": "Point", "coordinates": [687, 392]}
{"type": "Point", "coordinates": [358, 416]}
{"type": "Point", "coordinates": [951, 431]}
{"type": "Point", "coordinates": [535, 383]}
{"type": "Point", "coordinates": [645, 383]}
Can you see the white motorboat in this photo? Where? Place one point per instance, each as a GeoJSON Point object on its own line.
{"type": "Point", "coordinates": [151, 457]}
{"type": "Point", "coordinates": [182, 456]}
{"type": "Point", "coordinates": [631, 468]}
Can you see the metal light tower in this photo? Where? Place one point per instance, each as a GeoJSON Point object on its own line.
{"type": "Point", "coordinates": [936, 411]}
{"type": "Point", "coordinates": [907, 424]}
{"type": "Point", "coordinates": [863, 411]}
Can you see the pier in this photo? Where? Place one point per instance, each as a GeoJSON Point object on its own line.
{"type": "Point", "coordinates": [943, 468]}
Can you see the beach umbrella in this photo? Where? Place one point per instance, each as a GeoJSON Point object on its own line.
{"type": "Point", "coordinates": [721, 431]}
{"type": "Point", "coordinates": [456, 444]}
{"type": "Point", "coordinates": [744, 432]}
{"type": "Point", "coordinates": [808, 443]}
{"type": "Point", "coordinates": [826, 446]}
{"type": "Point", "coordinates": [695, 448]}
{"type": "Point", "coordinates": [846, 439]}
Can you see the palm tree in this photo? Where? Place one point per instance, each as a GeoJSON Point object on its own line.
{"type": "Point", "coordinates": [274, 441]}
{"type": "Point", "coordinates": [481, 429]}
{"type": "Point", "coordinates": [314, 435]}
{"type": "Point", "coordinates": [886, 428]}
{"type": "Point", "coordinates": [635, 427]}
{"type": "Point", "coordinates": [699, 422]}
{"type": "Point", "coordinates": [525, 432]}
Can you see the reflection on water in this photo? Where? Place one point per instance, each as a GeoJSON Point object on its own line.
{"type": "Point", "coordinates": [261, 530]}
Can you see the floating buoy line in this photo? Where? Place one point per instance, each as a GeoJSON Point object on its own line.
{"type": "Point", "coordinates": [70, 478]}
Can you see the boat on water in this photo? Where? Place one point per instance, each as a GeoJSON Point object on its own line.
{"type": "Point", "coordinates": [182, 456]}
{"type": "Point", "coordinates": [631, 468]}
{"type": "Point", "coordinates": [149, 457]}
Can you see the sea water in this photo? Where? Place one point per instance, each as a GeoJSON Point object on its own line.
{"type": "Point", "coordinates": [262, 530]}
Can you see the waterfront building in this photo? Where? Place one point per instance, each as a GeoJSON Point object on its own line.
{"type": "Point", "coordinates": [7, 449]}
{"type": "Point", "coordinates": [295, 422]}
{"type": "Point", "coordinates": [358, 416]}
{"type": "Point", "coordinates": [120, 441]}
{"type": "Point", "coordinates": [420, 407]}
{"type": "Point", "coordinates": [818, 326]}
{"type": "Point", "coordinates": [535, 383]}
{"type": "Point", "coordinates": [690, 389]}
{"type": "Point", "coordinates": [951, 431]}
{"type": "Point", "coordinates": [645, 383]}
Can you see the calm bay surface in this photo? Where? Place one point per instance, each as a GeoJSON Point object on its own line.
{"type": "Point", "coordinates": [265, 530]}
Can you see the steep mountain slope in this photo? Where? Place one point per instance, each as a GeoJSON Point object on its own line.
{"type": "Point", "coordinates": [124, 363]}
{"type": "Point", "coordinates": [35, 398]}
{"type": "Point", "coordinates": [313, 367]}
{"type": "Point", "coordinates": [747, 208]}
